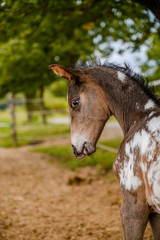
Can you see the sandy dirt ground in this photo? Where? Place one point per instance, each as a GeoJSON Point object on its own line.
{"type": "Point", "coordinates": [40, 200]}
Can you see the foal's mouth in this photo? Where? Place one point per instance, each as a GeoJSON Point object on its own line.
{"type": "Point", "coordinates": [87, 150]}
{"type": "Point", "coordinates": [83, 154]}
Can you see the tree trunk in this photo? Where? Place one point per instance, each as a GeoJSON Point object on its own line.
{"type": "Point", "coordinates": [13, 120]}
{"type": "Point", "coordinates": [29, 109]}
{"type": "Point", "coordinates": [42, 108]}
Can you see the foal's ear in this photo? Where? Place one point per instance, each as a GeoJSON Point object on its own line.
{"type": "Point", "coordinates": [64, 72]}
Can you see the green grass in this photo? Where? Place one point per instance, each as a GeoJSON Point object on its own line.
{"type": "Point", "coordinates": [103, 160]}
{"type": "Point", "coordinates": [112, 143]}
{"type": "Point", "coordinates": [34, 131]}
{"type": "Point", "coordinates": [27, 132]}
{"type": "Point", "coordinates": [30, 133]}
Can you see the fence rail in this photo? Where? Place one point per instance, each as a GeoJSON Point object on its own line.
{"type": "Point", "coordinates": [155, 83]}
{"type": "Point", "coordinates": [11, 103]}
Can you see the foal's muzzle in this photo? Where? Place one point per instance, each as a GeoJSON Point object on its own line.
{"type": "Point", "coordinates": [87, 150]}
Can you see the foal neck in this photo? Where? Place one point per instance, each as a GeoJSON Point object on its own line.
{"type": "Point", "coordinates": [127, 101]}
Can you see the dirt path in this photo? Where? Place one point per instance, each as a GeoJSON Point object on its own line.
{"type": "Point", "coordinates": [39, 200]}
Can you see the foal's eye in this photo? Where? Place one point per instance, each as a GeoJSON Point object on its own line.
{"type": "Point", "coordinates": [75, 103]}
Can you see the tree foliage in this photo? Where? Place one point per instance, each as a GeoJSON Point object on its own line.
{"type": "Point", "coordinates": [36, 33]}
{"type": "Point", "coordinates": [153, 5]}
{"type": "Point", "coordinates": [22, 67]}
{"type": "Point", "coordinates": [152, 66]}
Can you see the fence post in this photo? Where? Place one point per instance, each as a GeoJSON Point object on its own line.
{"type": "Point", "coordinates": [42, 105]}
{"type": "Point", "coordinates": [13, 121]}
{"type": "Point", "coordinates": [29, 109]}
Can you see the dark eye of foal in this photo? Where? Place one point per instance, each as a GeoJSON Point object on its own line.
{"type": "Point", "coordinates": [75, 103]}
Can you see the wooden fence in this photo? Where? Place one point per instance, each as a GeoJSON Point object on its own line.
{"type": "Point", "coordinates": [11, 103]}
{"type": "Point", "coordinates": [43, 112]}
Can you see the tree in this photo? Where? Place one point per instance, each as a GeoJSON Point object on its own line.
{"type": "Point", "coordinates": [153, 5]}
{"type": "Point", "coordinates": [55, 22]}
{"type": "Point", "coordinates": [20, 66]}
{"type": "Point", "coordinates": [152, 66]}
{"type": "Point", "coordinates": [36, 33]}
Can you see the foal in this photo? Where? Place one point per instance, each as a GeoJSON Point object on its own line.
{"type": "Point", "coordinates": [97, 92]}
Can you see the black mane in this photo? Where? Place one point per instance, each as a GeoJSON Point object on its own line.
{"type": "Point", "coordinates": [148, 89]}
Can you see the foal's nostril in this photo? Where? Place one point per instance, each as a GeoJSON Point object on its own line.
{"type": "Point", "coordinates": [74, 149]}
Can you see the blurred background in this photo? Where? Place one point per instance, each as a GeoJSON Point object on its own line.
{"type": "Point", "coordinates": [37, 33]}
{"type": "Point", "coordinates": [46, 193]}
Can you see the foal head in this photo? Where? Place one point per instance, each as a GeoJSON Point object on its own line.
{"type": "Point", "coordinates": [88, 108]}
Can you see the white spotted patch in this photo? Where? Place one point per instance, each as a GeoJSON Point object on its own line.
{"type": "Point", "coordinates": [137, 106]}
{"type": "Point", "coordinates": [154, 125]}
{"type": "Point", "coordinates": [154, 182]}
{"type": "Point", "coordinates": [149, 104]}
{"type": "Point", "coordinates": [146, 142]}
{"type": "Point", "coordinates": [128, 178]}
{"type": "Point", "coordinates": [121, 76]}
{"type": "Point", "coordinates": [143, 167]}
{"type": "Point", "coordinates": [151, 114]}
{"type": "Point", "coordinates": [141, 141]}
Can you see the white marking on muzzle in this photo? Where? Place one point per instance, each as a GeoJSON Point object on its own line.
{"type": "Point", "coordinates": [78, 141]}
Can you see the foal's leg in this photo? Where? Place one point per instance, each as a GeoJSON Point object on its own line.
{"type": "Point", "coordinates": [154, 220]}
{"type": "Point", "coordinates": [134, 217]}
